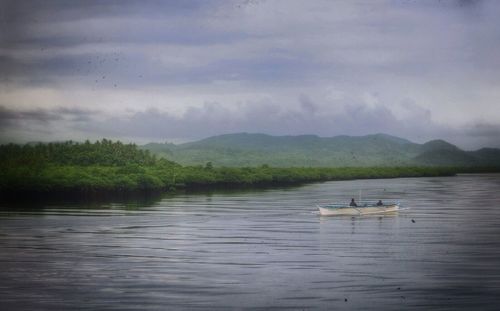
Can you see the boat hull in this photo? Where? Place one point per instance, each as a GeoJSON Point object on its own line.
{"type": "Point", "coordinates": [357, 211]}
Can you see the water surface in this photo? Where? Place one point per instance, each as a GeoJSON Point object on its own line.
{"type": "Point", "coordinates": [260, 249]}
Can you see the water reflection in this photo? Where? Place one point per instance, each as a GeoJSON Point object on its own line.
{"type": "Point", "coordinates": [260, 249]}
{"type": "Point", "coordinates": [129, 201]}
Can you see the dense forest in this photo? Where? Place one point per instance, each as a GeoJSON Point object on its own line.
{"type": "Point", "coordinates": [105, 165]}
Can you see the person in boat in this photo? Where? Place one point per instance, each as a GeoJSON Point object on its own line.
{"type": "Point", "coordinates": [353, 203]}
{"type": "Point", "coordinates": [379, 203]}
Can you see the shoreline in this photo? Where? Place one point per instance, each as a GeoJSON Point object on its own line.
{"type": "Point", "coordinates": [106, 168]}
{"type": "Point", "coordinates": [214, 179]}
{"type": "Point", "coordinates": [95, 195]}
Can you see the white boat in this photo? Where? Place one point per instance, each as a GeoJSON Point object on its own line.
{"type": "Point", "coordinates": [361, 209]}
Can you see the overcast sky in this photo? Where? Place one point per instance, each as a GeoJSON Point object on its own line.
{"type": "Point", "coordinates": [183, 70]}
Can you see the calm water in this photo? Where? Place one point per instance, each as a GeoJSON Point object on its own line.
{"type": "Point", "coordinates": [261, 250]}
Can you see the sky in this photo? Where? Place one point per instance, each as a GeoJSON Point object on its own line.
{"type": "Point", "coordinates": [177, 71]}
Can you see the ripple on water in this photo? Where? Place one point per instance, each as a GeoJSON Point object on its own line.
{"type": "Point", "coordinates": [263, 249]}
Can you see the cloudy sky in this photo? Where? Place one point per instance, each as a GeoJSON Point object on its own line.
{"type": "Point", "coordinates": [183, 70]}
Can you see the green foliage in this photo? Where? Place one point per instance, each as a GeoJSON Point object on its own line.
{"type": "Point", "coordinates": [113, 166]}
{"type": "Point", "coordinates": [101, 166]}
{"type": "Point", "coordinates": [104, 152]}
{"type": "Point", "coordinates": [237, 150]}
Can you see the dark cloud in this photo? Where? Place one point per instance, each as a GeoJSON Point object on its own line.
{"type": "Point", "coordinates": [76, 114]}
{"type": "Point", "coordinates": [32, 22]}
{"type": "Point", "coordinates": [260, 66]}
{"type": "Point", "coordinates": [403, 46]}
{"type": "Point", "coordinates": [8, 117]}
{"type": "Point", "coordinates": [11, 117]}
{"type": "Point", "coordinates": [465, 3]}
{"type": "Point", "coordinates": [484, 129]}
{"type": "Point", "coordinates": [307, 104]}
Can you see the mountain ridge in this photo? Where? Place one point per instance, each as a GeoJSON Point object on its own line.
{"type": "Point", "coordinates": [255, 149]}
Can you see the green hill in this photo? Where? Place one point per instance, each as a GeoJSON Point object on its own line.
{"type": "Point", "coordinates": [244, 149]}
{"type": "Point", "coordinates": [487, 156]}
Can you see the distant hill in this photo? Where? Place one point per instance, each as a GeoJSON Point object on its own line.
{"type": "Point", "coordinates": [438, 144]}
{"type": "Point", "coordinates": [244, 149]}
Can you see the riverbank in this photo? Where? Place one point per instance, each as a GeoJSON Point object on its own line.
{"type": "Point", "coordinates": [106, 167]}
{"type": "Point", "coordinates": [89, 181]}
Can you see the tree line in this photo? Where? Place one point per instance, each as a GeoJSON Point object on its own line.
{"type": "Point", "coordinates": [114, 166]}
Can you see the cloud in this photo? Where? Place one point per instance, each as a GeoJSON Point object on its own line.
{"type": "Point", "coordinates": [213, 118]}
{"type": "Point", "coordinates": [171, 42]}
{"type": "Point", "coordinates": [482, 129]}
{"type": "Point", "coordinates": [44, 124]}
{"type": "Point", "coordinates": [186, 69]}
{"type": "Point", "coordinates": [483, 134]}
{"type": "Point", "coordinates": [268, 117]}
{"type": "Point", "coordinates": [10, 117]}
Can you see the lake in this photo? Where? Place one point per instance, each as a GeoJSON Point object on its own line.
{"type": "Point", "coordinates": [260, 249]}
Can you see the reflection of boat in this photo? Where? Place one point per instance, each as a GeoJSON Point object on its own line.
{"type": "Point", "coordinates": [362, 209]}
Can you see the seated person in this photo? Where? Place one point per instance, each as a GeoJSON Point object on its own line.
{"type": "Point", "coordinates": [353, 203]}
{"type": "Point", "coordinates": [379, 203]}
